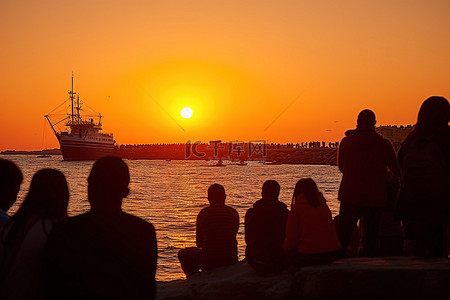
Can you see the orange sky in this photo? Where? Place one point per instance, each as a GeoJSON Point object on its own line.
{"type": "Point", "coordinates": [238, 64]}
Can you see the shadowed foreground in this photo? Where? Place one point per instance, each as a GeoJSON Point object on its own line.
{"type": "Point", "coordinates": [354, 278]}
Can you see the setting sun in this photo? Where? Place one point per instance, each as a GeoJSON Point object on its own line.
{"type": "Point", "coordinates": [186, 112]}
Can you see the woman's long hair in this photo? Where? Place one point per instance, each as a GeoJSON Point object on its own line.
{"type": "Point", "coordinates": [308, 188]}
{"type": "Point", "coordinates": [47, 198]}
{"type": "Point", "coordinates": [434, 115]}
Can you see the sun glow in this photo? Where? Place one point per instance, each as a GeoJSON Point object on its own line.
{"type": "Point", "coordinates": [186, 112]}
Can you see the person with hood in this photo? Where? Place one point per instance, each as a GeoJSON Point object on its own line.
{"type": "Point", "coordinates": [364, 157]}
{"type": "Point", "coordinates": [265, 226]}
{"type": "Point", "coordinates": [424, 200]}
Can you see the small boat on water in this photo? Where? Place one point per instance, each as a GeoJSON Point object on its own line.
{"type": "Point", "coordinates": [219, 164]}
{"type": "Point", "coordinates": [81, 137]}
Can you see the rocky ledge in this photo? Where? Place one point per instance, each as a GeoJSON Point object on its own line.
{"type": "Point", "coordinates": [353, 278]}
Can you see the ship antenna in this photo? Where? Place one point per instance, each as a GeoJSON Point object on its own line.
{"type": "Point", "coordinates": [71, 93]}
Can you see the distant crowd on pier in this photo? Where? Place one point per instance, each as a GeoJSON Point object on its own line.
{"type": "Point", "coordinates": [269, 146]}
{"type": "Point", "coordinates": [402, 203]}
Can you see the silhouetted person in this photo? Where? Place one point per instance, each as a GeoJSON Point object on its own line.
{"type": "Point", "coordinates": [265, 228]}
{"type": "Point", "coordinates": [105, 253]}
{"type": "Point", "coordinates": [364, 158]}
{"type": "Point", "coordinates": [23, 237]}
{"type": "Point", "coordinates": [424, 157]}
{"type": "Point", "coordinates": [311, 237]}
{"type": "Point", "coordinates": [10, 180]}
{"type": "Point", "coordinates": [217, 226]}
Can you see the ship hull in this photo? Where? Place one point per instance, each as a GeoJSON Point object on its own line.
{"type": "Point", "coordinates": [74, 149]}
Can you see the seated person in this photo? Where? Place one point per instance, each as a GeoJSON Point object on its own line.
{"type": "Point", "coordinates": [104, 253]}
{"type": "Point", "coordinates": [265, 228]}
{"type": "Point", "coordinates": [10, 180]}
{"type": "Point", "coordinates": [217, 226]}
{"type": "Point", "coordinates": [311, 237]}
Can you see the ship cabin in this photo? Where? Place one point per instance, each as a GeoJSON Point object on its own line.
{"type": "Point", "coordinates": [88, 130]}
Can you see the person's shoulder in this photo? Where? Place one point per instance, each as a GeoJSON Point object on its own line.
{"type": "Point", "coordinates": [72, 225]}
{"type": "Point", "coordinates": [204, 210]}
{"type": "Point", "coordinates": [282, 205]}
{"type": "Point", "coordinates": [385, 144]}
{"type": "Point", "coordinates": [138, 221]}
{"type": "Point", "coordinates": [249, 212]}
{"type": "Point", "coordinates": [345, 139]}
{"type": "Point", "coordinates": [230, 209]}
{"type": "Point", "coordinates": [74, 221]}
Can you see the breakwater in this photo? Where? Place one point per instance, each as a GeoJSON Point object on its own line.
{"type": "Point", "coordinates": [270, 153]}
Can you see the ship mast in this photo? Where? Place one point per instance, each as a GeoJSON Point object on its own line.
{"type": "Point", "coordinates": [72, 94]}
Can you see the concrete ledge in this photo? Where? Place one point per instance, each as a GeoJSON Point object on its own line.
{"type": "Point", "coordinates": [237, 281]}
{"type": "Point", "coordinates": [376, 278]}
{"type": "Point", "coordinates": [353, 278]}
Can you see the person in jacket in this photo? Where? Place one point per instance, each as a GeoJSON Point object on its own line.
{"type": "Point", "coordinates": [265, 228]}
{"type": "Point", "coordinates": [311, 237]}
{"type": "Point", "coordinates": [364, 157]}
{"type": "Point", "coordinates": [104, 253]}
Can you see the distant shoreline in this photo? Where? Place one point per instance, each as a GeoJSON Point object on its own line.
{"type": "Point", "coordinates": [54, 151]}
{"type": "Point", "coordinates": [307, 156]}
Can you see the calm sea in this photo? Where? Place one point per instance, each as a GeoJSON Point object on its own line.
{"type": "Point", "coordinates": [170, 194]}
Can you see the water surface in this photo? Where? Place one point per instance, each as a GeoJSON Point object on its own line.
{"type": "Point", "coordinates": [170, 194]}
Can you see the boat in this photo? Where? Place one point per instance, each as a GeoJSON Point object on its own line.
{"type": "Point", "coordinates": [219, 164]}
{"type": "Point", "coordinates": [81, 137]}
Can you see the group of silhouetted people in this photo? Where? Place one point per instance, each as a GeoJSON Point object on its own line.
{"type": "Point", "coordinates": [402, 203]}
{"type": "Point", "coordinates": [102, 254]}
{"type": "Point", "coordinates": [274, 236]}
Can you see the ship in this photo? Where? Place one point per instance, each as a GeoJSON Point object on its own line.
{"type": "Point", "coordinates": [81, 136]}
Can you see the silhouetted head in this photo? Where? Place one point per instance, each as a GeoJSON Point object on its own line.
{"type": "Point", "coordinates": [308, 188]}
{"type": "Point", "coordinates": [48, 196]}
{"type": "Point", "coordinates": [270, 190]}
{"type": "Point", "coordinates": [366, 119]}
{"type": "Point", "coordinates": [10, 180]}
{"type": "Point", "coordinates": [216, 194]}
{"type": "Point", "coordinates": [108, 184]}
{"type": "Point", "coordinates": [434, 114]}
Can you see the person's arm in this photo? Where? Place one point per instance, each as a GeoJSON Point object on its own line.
{"type": "Point", "coordinates": [340, 157]}
{"type": "Point", "coordinates": [236, 217]}
{"type": "Point", "coordinates": [292, 232]}
{"type": "Point", "coordinates": [248, 227]}
{"type": "Point", "coordinates": [199, 230]}
{"type": "Point", "coordinates": [392, 159]}
{"type": "Point", "coordinates": [154, 257]}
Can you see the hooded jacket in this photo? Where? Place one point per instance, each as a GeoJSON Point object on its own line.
{"type": "Point", "coordinates": [363, 159]}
